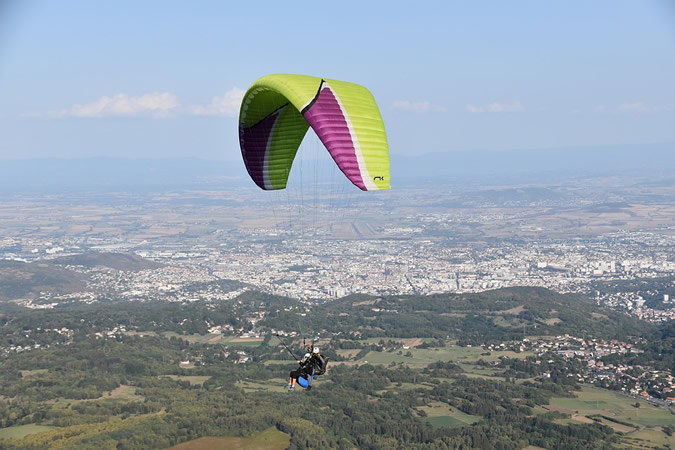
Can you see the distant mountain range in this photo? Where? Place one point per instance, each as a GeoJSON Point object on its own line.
{"type": "Point", "coordinates": [482, 167]}
{"type": "Point", "coordinates": [536, 166]}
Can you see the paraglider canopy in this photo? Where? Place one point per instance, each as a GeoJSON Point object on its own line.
{"type": "Point", "coordinates": [277, 111]}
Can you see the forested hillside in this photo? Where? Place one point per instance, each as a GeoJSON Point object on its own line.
{"type": "Point", "coordinates": [445, 371]}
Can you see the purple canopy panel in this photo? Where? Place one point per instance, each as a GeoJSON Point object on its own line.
{"type": "Point", "coordinates": [326, 117]}
{"type": "Point", "coordinates": [254, 142]}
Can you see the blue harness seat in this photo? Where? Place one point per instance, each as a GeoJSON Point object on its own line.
{"type": "Point", "coordinates": [304, 382]}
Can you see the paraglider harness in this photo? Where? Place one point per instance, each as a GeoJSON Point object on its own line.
{"type": "Point", "coordinates": [311, 367]}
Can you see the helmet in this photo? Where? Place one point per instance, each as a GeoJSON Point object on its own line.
{"type": "Point", "coordinates": [316, 350]}
{"type": "Point", "coordinates": [307, 355]}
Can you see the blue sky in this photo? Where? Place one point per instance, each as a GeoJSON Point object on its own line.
{"type": "Point", "coordinates": [164, 78]}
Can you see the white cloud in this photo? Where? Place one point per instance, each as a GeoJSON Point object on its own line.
{"type": "Point", "coordinates": [501, 107]}
{"type": "Point", "coordinates": [474, 109]}
{"type": "Point", "coordinates": [496, 107]}
{"type": "Point", "coordinates": [634, 107]}
{"type": "Point", "coordinates": [156, 104]}
{"type": "Point", "coordinates": [225, 105]}
{"type": "Point", "coordinates": [418, 107]}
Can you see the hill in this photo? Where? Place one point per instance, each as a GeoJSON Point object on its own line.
{"type": "Point", "coordinates": [117, 261]}
{"type": "Point", "coordinates": [481, 317]}
{"type": "Point", "coordinates": [26, 280]}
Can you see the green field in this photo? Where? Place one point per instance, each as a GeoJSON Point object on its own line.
{"type": "Point", "coordinates": [599, 401]}
{"type": "Point", "coordinates": [30, 373]}
{"type": "Point", "coordinates": [618, 427]}
{"type": "Point", "coordinates": [376, 340]}
{"type": "Point", "coordinates": [285, 362]}
{"type": "Point", "coordinates": [408, 386]}
{"type": "Point", "coordinates": [237, 342]}
{"type": "Point", "coordinates": [270, 439]}
{"type": "Point", "coordinates": [485, 377]}
{"type": "Point", "coordinates": [423, 357]}
{"type": "Point", "coordinates": [195, 380]}
{"type": "Point", "coordinates": [647, 438]}
{"type": "Point", "coordinates": [271, 385]}
{"type": "Point", "coordinates": [475, 371]}
{"type": "Point", "coordinates": [194, 338]}
{"type": "Point", "coordinates": [20, 431]}
{"type": "Point", "coordinates": [647, 420]}
{"type": "Point", "coordinates": [539, 410]}
{"type": "Point", "coordinates": [233, 341]}
{"type": "Point", "coordinates": [141, 333]}
{"type": "Point", "coordinates": [123, 392]}
{"type": "Point", "coordinates": [443, 415]}
{"type": "Point", "coordinates": [348, 353]}
{"type": "Point", "coordinates": [481, 370]}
